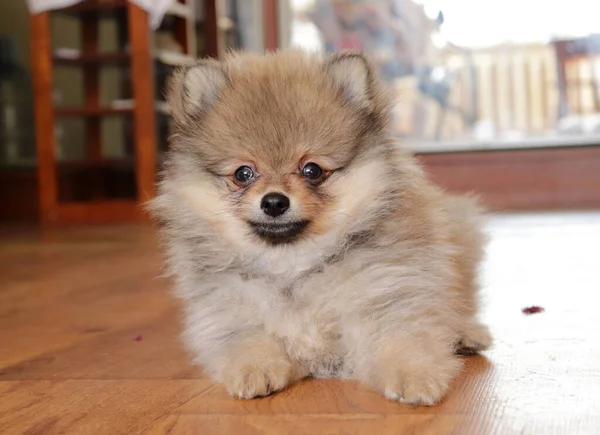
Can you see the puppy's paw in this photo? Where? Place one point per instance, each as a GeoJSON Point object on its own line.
{"type": "Point", "coordinates": [424, 392]}
{"type": "Point", "coordinates": [246, 381]}
{"type": "Point", "coordinates": [423, 382]}
{"type": "Point", "coordinates": [475, 338]}
{"type": "Point", "coordinates": [257, 368]}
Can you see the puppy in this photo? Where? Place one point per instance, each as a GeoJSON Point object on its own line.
{"type": "Point", "coordinates": [303, 241]}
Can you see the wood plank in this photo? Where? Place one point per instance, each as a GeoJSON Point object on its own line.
{"type": "Point", "coordinates": [57, 324]}
{"type": "Point", "coordinates": [106, 407]}
{"type": "Point", "coordinates": [145, 351]}
{"type": "Point", "coordinates": [319, 423]}
{"type": "Point", "coordinates": [33, 276]}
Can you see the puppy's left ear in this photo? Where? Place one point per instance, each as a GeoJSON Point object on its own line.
{"type": "Point", "coordinates": [353, 75]}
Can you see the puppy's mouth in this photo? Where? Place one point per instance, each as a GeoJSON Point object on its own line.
{"type": "Point", "coordinates": [277, 233]}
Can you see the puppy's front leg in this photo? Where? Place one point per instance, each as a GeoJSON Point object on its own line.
{"type": "Point", "coordinates": [412, 361]}
{"type": "Point", "coordinates": [255, 366]}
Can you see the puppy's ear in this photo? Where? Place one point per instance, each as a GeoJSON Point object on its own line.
{"type": "Point", "coordinates": [353, 74]}
{"type": "Point", "coordinates": [193, 90]}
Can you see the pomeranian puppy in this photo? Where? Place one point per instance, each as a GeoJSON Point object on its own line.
{"type": "Point", "coordinates": [303, 241]}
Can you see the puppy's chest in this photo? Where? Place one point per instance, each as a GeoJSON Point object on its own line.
{"type": "Point", "coordinates": [303, 318]}
{"type": "Point", "coordinates": [286, 302]}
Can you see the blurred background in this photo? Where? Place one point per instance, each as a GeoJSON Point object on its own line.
{"type": "Point", "coordinates": [497, 97]}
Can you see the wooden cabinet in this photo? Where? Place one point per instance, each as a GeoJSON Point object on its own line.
{"type": "Point", "coordinates": [97, 183]}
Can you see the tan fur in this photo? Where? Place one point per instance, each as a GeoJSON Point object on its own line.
{"type": "Point", "coordinates": [381, 286]}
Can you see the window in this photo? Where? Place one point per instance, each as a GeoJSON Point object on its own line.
{"type": "Point", "coordinates": [470, 74]}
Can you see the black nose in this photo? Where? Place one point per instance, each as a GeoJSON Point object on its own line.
{"type": "Point", "coordinates": [275, 204]}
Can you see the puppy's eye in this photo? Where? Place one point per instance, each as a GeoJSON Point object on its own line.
{"type": "Point", "coordinates": [312, 171]}
{"type": "Point", "coordinates": [243, 174]}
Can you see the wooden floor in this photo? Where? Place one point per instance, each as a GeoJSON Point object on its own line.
{"type": "Point", "coordinates": [89, 345]}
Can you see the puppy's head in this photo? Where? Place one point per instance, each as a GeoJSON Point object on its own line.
{"type": "Point", "coordinates": [276, 150]}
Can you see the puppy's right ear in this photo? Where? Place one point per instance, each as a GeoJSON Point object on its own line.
{"type": "Point", "coordinates": [193, 90]}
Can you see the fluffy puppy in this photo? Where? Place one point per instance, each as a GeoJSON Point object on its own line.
{"type": "Point", "coordinates": [303, 241]}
